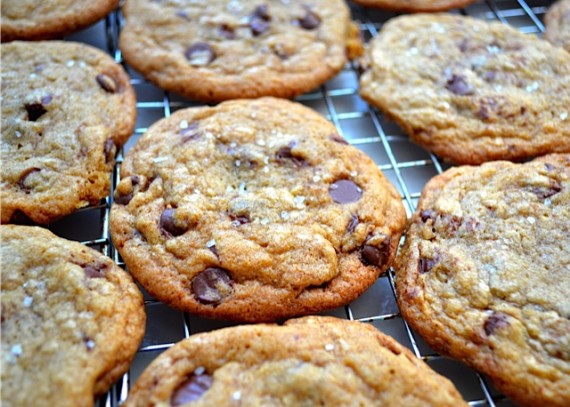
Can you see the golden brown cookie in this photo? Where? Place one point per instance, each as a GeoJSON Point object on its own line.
{"type": "Point", "coordinates": [557, 23]}
{"type": "Point", "coordinates": [414, 6]}
{"type": "Point", "coordinates": [225, 49]}
{"type": "Point", "coordinates": [484, 275]}
{"type": "Point", "coordinates": [66, 107]}
{"type": "Point", "coordinates": [306, 362]}
{"type": "Point", "coordinates": [71, 320]}
{"type": "Point", "coordinates": [49, 19]}
{"type": "Point", "coordinates": [253, 210]}
{"type": "Point", "coordinates": [469, 90]}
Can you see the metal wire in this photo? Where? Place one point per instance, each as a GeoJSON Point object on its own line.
{"type": "Point", "coordinates": [406, 165]}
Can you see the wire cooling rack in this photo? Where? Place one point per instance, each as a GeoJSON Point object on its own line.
{"type": "Point", "coordinates": [405, 164]}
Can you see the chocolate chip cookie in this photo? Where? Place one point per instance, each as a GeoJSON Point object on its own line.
{"type": "Point", "coordinates": [484, 275]}
{"type": "Point", "coordinates": [414, 6]}
{"type": "Point", "coordinates": [308, 361]}
{"type": "Point", "coordinates": [71, 320]}
{"type": "Point", "coordinates": [253, 210]}
{"type": "Point", "coordinates": [66, 107]}
{"type": "Point", "coordinates": [49, 19]}
{"type": "Point", "coordinates": [469, 90]}
{"type": "Point", "coordinates": [226, 49]}
{"type": "Point", "coordinates": [557, 23]}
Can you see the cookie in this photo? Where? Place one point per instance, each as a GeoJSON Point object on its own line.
{"type": "Point", "coordinates": [48, 19]}
{"type": "Point", "coordinates": [71, 320]}
{"type": "Point", "coordinates": [557, 24]}
{"type": "Point", "coordinates": [414, 6]}
{"type": "Point", "coordinates": [253, 210]}
{"type": "Point", "coordinates": [225, 49]}
{"type": "Point", "coordinates": [484, 275]}
{"type": "Point", "coordinates": [66, 108]}
{"type": "Point", "coordinates": [308, 361]}
{"type": "Point", "coordinates": [470, 91]}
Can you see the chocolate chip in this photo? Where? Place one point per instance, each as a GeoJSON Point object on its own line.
{"type": "Point", "coordinates": [212, 285]}
{"type": "Point", "coordinates": [227, 32]}
{"type": "Point", "coordinates": [24, 175]}
{"type": "Point", "coordinates": [427, 214]}
{"type": "Point", "coordinates": [337, 139]}
{"type": "Point", "coordinates": [35, 111]}
{"type": "Point", "coordinates": [345, 191]}
{"type": "Point", "coordinates": [352, 224]}
{"type": "Point", "coordinates": [107, 83]}
{"type": "Point", "coordinates": [168, 225]}
{"type": "Point", "coordinates": [425, 265]}
{"type": "Point", "coordinates": [110, 149]}
{"type": "Point", "coordinates": [495, 321]}
{"type": "Point", "coordinates": [94, 271]}
{"type": "Point", "coordinates": [191, 389]}
{"type": "Point", "coordinates": [458, 85]}
{"type": "Point", "coordinates": [238, 219]}
{"type": "Point", "coordinates": [123, 199]}
{"type": "Point", "coordinates": [258, 26]}
{"type": "Point", "coordinates": [375, 255]}
{"type": "Point", "coordinates": [286, 153]}
{"type": "Point", "coordinates": [547, 192]}
{"type": "Point", "coordinates": [310, 20]}
{"type": "Point", "coordinates": [200, 54]}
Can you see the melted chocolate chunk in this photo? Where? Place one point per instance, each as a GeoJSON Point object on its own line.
{"type": "Point", "coordinates": [227, 32]}
{"type": "Point", "coordinates": [24, 175]}
{"type": "Point", "coordinates": [35, 111]}
{"type": "Point", "coordinates": [135, 180]}
{"type": "Point", "coordinates": [200, 54]}
{"type": "Point", "coordinates": [238, 219]}
{"type": "Point", "coordinates": [191, 389]}
{"type": "Point", "coordinates": [352, 224]}
{"type": "Point", "coordinates": [110, 149]}
{"type": "Point", "coordinates": [425, 265]}
{"type": "Point", "coordinates": [345, 191]}
{"type": "Point", "coordinates": [258, 26]}
{"type": "Point", "coordinates": [427, 214]}
{"type": "Point", "coordinates": [107, 83]}
{"type": "Point", "coordinates": [495, 321]}
{"type": "Point", "coordinates": [286, 153]}
{"type": "Point", "coordinates": [547, 192]}
{"type": "Point", "coordinates": [337, 139]}
{"type": "Point", "coordinates": [310, 20]}
{"type": "Point", "coordinates": [123, 199]}
{"type": "Point", "coordinates": [168, 225]}
{"type": "Point", "coordinates": [373, 255]}
{"type": "Point", "coordinates": [212, 285]}
{"type": "Point", "coordinates": [94, 271]}
{"type": "Point", "coordinates": [262, 12]}
{"type": "Point", "coordinates": [458, 84]}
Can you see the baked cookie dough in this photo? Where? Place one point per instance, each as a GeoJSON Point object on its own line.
{"type": "Point", "coordinates": [66, 108]}
{"type": "Point", "coordinates": [71, 320]}
{"type": "Point", "coordinates": [411, 6]}
{"type": "Point", "coordinates": [226, 49]}
{"type": "Point", "coordinates": [253, 210]}
{"type": "Point", "coordinates": [484, 275]}
{"type": "Point", "coordinates": [557, 23]}
{"type": "Point", "coordinates": [49, 19]}
{"type": "Point", "coordinates": [308, 361]}
{"type": "Point", "coordinates": [469, 90]}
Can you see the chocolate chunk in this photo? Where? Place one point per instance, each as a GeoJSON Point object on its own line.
{"type": "Point", "coordinates": [310, 20]}
{"type": "Point", "coordinates": [547, 192]}
{"type": "Point", "coordinates": [107, 83]}
{"type": "Point", "coordinates": [262, 12]}
{"type": "Point", "coordinates": [238, 219]}
{"type": "Point", "coordinates": [352, 224]}
{"type": "Point", "coordinates": [227, 32]}
{"type": "Point", "coordinates": [35, 111]}
{"type": "Point", "coordinates": [425, 265]}
{"type": "Point", "coordinates": [168, 225]}
{"type": "Point", "coordinates": [338, 139]}
{"type": "Point", "coordinates": [464, 45]}
{"type": "Point", "coordinates": [182, 14]}
{"type": "Point", "coordinates": [135, 180]}
{"type": "Point", "coordinates": [123, 199]}
{"type": "Point", "coordinates": [375, 255]}
{"type": "Point", "coordinates": [94, 271]}
{"type": "Point", "coordinates": [280, 51]}
{"type": "Point", "coordinates": [214, 250]}
{"type": "Point", "coordinates": [200, 54]}
{"type": "Point", "coordinates": [427, 214]}
{"type": "Point", "coordinates": [191, 389]}
{"type": "Point", "coordinates": [345, 191]}
{"type": "Point", "coordinates": [458, 84]}
{"type": "Point", "coordinates": [286, 153]}
{"type": "Point", "coordinates": [212, 285]}
{"type": "Point", "coordinates": [24, 175]}
{"type": "Point", "coordinates": [495, 321]}
{"type": "Point", "coordinates": [110, 149]}
{"type": "Point", "coordinates": [258, 26]}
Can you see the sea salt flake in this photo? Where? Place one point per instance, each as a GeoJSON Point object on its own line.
{"type": "Point", "coordinates": [70, 63]}
{"type": "Point", "coordinates": [200, 370]}
{"type": "Point", "coordinates": [236, 395]}
{"type": "Point", "coordinates": [329, 347]}
{"type": "Point", "coordinates": [563, 116]}
{"type": "Point", "coordinates": [531, 220]}
{"type": "Point", "coordinates": [18, 134]}
{"type": "Point", "coordinates": [532, 87]}
{"type": "Point", "coordinates": [160, 159]}
{"type": "Point", "coordinates": [316, 178]}
{"type": "Point", "coordinates": [284, 215]}
{"type": "Point", "coordinates": [16, 350]}
{"type": "Point", "coordinates": [27, 301]}
{"type": "Point", "coordinates": [237, 163]}
{"type": "Point", "coordinates": [184, 124]}
{"type": "Point", "coordinates": [211, 243]}
{"type": "Point", "coordinates": [90, 344]}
